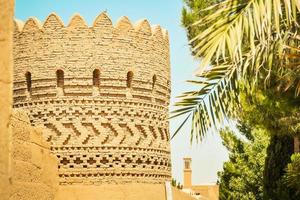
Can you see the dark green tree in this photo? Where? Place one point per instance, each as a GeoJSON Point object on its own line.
{"type": "Point", "coordinates": [174, 182]}
{"type": "Point", "coordinates": [279, 152]}
{"type": "Point", "coordinates": [242, 175]}
{"type": "Point", "coordinates": [279, 115]}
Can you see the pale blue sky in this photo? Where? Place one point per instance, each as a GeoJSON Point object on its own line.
{"type": "Point", "coordinates": [207, 156]}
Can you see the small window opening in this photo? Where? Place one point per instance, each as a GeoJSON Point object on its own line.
{"type": "Point", "coordinates": [129, 79]}
{"type": "Point", "coordinates": [153, 81]}
{"type": "Point", "coordinates": [60, 78]}
{"type": "Point", "coordinates": [28, 81]}
{"type": "Point", "coordinates": [187, 164]}
{"type": "Point", "coordinates": [96, 78]}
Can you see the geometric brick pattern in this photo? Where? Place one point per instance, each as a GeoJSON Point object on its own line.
{"type": "Point", "coordinates": [103, 164]}
{"type": "Point", "coordinates": [101, 93]}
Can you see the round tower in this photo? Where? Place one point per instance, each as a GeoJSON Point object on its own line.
{"type": "Point", "coordinates": [101, 94]}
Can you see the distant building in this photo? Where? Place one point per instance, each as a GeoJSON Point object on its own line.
{"type": "Point", "coordinates": [201, 192]}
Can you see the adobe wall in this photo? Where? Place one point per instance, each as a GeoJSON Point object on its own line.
{"type": "Point", "coordinates": [115, 130]}
{"type": "Point", "coordinates": [179, 195]}
{"type": "Point", "coordinates": [6, 62]}
{"type": "Point", "coordinates": [33, 167]}
{"type": "Point", "coordinates": [210, 192]}
{"type": "Point", "coordinates": [130, 191]}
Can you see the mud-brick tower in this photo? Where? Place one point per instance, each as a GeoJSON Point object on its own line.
{"type": "Point", "coordinates": [101, 93]}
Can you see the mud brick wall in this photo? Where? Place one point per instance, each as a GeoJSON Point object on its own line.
{"type": "Point", "coordinates": [101, 95]}
{"type": "Point", "coordinates": [6, 75]}
{"type": "Point", "coordinates": [34, 173]}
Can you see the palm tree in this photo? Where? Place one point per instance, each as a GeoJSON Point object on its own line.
{"type": "Point", "coordinates": [253, 42]}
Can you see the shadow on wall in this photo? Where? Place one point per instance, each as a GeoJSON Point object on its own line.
{"type": "Point", "coordinates": [33, 168]}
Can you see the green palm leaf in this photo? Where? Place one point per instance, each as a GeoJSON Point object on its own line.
{"type": "Point", "coordinates": [251, 41]}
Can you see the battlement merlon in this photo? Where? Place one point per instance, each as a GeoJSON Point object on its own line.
{"type": "Point", "coordinates": [123, 47]}
{"type": "Point", "coordinates": [101, 94]}
{"type": "Point", "coordinates": [102, 21]}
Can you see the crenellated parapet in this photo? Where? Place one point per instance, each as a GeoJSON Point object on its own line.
{"type": "Point", "coordinates": [78, 50]}
{"type": "Point", "coordinates": [101, 93]}
{"type": "Point", "coordinates": [102, 22]}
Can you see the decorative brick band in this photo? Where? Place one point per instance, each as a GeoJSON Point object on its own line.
{"type": "Point", "coordinates": [120, 164]}
{"type": "Point", "coordinates": [100, 93]}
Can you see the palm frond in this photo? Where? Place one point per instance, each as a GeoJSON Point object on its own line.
{"type": "Point", "coordinates": [256, 41]}
{"type": "Point", "coordinates": [195, 103]}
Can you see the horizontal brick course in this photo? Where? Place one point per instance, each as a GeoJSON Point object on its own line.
{"type": "Point", "coordinates": [104, 88]}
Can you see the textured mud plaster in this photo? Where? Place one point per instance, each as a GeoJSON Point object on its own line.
{"type": "Point", "coordinates": [101, 94]}
{"type": "Point", "coordinates": [128, 191]}
{"type": "Point", "coordinates": [6, 62]}
{"type": "Point", "coordinates": [34, 173]}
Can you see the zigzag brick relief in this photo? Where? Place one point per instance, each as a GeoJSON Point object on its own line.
{"type": "Point", "coordinates": [100, 93]}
